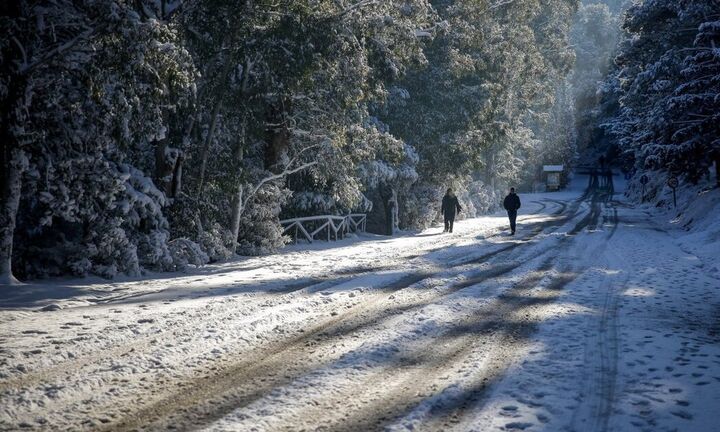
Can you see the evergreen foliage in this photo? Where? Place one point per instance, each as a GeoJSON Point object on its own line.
{"type": "Point", "coordinates": [667, 87]}
{"type": "Point", "coordinates": [155, 134]}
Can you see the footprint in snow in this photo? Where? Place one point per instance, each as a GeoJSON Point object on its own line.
{"type": "Point", "coordinates": [517, 426]}
{"type": "Point", "coordinates": [509, 411]}
{"type": "Point", "coordinates": [682, 414]}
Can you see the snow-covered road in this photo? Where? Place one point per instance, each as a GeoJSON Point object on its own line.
{"type": "Point", "coordinates": [592, 318]}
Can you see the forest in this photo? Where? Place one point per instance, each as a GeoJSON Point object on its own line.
{"type": "Point", "coordinates": [152, 135]}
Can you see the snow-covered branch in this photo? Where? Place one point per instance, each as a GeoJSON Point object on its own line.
{"type": "Point", "coordinates": [286, 172]}
{"type": "Point", "coordinates": [358, 5]}
{"type": "Point", "coordinates": [26, 68]}
{"type": "Point", "coordinates": [501, 3]}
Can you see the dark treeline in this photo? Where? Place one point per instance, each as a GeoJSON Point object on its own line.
{"type": "Point", "coordinates": [156, 134]}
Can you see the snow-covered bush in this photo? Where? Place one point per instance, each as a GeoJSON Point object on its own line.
{"type": "Point", "coordinates": [216, 242]}
{"type": "Point", "coordinates": [478, 198]}
{"type": "Point", "coordinates": [186, 252]}
{"type": "Point", "coordinates": [260, 230]}
{"type": "Point", "coordinates": [420, 205]}
{"type": "Point", "coordinates": [313, 203]}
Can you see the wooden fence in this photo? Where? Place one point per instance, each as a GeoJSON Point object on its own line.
{"type": "Point", "coordinates": [327, 226]}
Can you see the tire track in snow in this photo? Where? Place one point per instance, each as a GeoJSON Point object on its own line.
{"type": "Point", "coordinates": [63, 370]}
{"type": "Point", "coordinates": [136, 345]}
{"type": "Point", "coordinates": [601, 351]}
{"type": "Point", "coordinates": [497, 330]}
{"type": "Point", "coordinates": [243, 382]}
{"type": "Point", "coordinates": [451, 410]}
{"type": "Point", "coordinates": [608, 347]}
{"type": "Point", "coordinates": [236, 376]}
{"type": "Point", "coordinates": [349, 328]}
{"type": "Point", "coordinates": [76, 365]}
{"type": "Point", "coordinates": [471, 400]}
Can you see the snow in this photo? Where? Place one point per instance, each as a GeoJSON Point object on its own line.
{"type": "Point", "coordinates": [596, 316]}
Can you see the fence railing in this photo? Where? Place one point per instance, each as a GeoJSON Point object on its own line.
{"type": "Point", "coordinates": [327, 226]}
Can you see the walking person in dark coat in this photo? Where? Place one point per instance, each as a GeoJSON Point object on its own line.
{"type": "Point", "coordinates": [450, 206]}
{"type": "Point", "coordinates": [512, 205]}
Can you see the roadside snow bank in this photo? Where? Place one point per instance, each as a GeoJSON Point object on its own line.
{"type": "Point", "coordinates": [697, 214]}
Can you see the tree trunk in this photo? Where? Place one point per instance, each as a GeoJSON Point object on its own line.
{"type": "Point", "coordinates": [176, 183]}
{"type": "Point", "coordinates": [238, 205]}
{"type": "Point", "coordinates": [387, 194]}
{"type": "Point", "coordinates": [168, 176]}
{"type": "Point", "coordinates": [493, 172]}
{"type": "Point", "coordinates": [163, 169]}
{"type": "Point", "coordinates": [218, 88]}
{"type": "Point", "coordinates": [237, 210]}
{"type": "Point", "coordinates": [206, 146]}
{"type": "Point", "coordinates": [394, 211]}
{"type": "Point", "coordinates": [278, 136]}
{"type": "Point", "coordinates": [13, 161]}
{"type": "Point", "coordinates": [12, 188]}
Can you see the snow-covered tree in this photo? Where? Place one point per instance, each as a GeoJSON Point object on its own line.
{"type": "Point", "coordinates": [153, 134]}
{"type": "Point", "coordinates": [287, 85]}
{"type": "Point", "coordinates": [85, 99]}
{"type": "Point", "coordinates": [694, 108]}
{"type": "Point", "coordinates": [667, 83]}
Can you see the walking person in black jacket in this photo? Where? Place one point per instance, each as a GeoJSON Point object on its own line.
{"type": "Point", "coordinates": [450, 206]}
{"type": "Point", "coordinates": [512, 204]}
